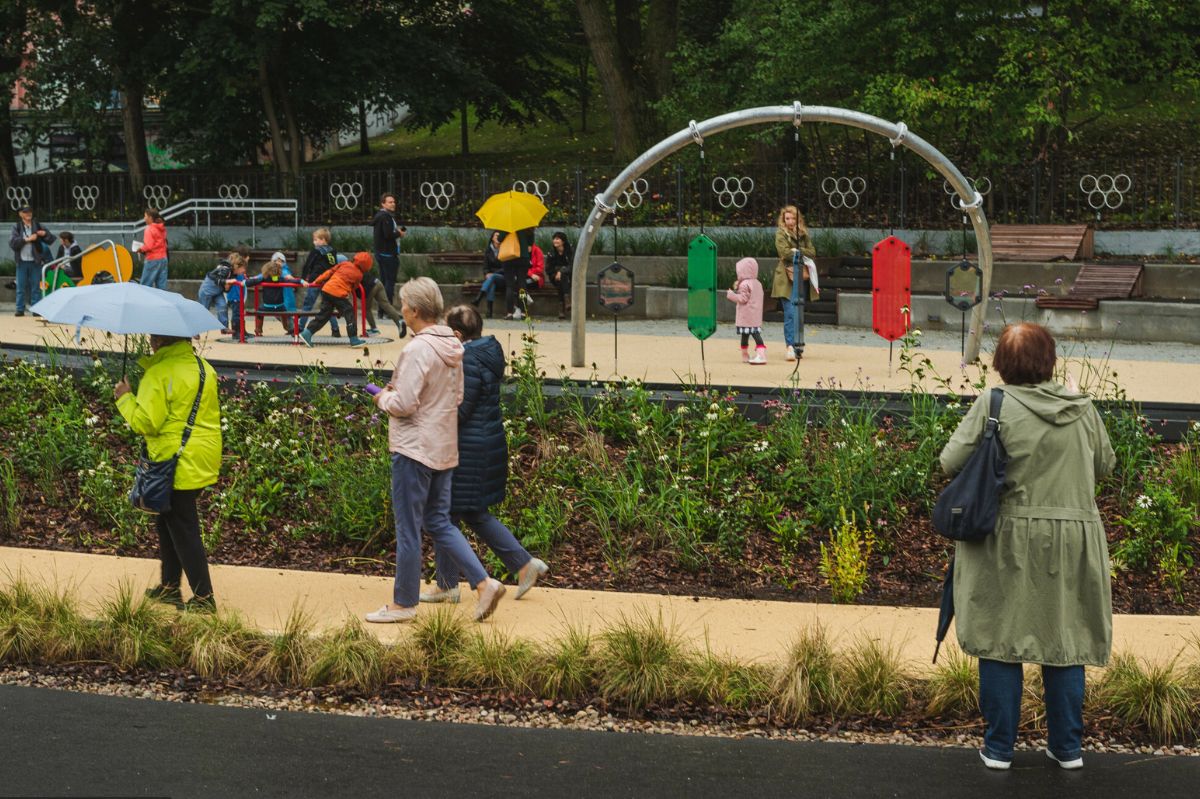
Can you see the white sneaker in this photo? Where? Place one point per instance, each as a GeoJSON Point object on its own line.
{"type": "Point", "coordinates": [448, 595]}
{"type": "Point", "coordinates": [386, 615]}
{"type": "Point", "coordinates": [760, 356]}
{"type": "Point", "coordinates": [493, 590]}
{"type": "Point", "coordinates": [993, 763]}
{"type": "Point", "coordinates": [1067, 764]}
{"type": "Point", "coordinates": [790, 354]}
{"type": "Point", "coordinates": [529, 576]}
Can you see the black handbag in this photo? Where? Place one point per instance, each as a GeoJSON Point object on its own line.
{"type": "Point", "coordinates": [967, 508]}
{"type": "Point", "coordinates": [155, 480]}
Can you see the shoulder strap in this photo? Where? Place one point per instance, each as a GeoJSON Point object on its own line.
{"type": "Point", "coordinates": [187, 431]}
{"type": "Point", "coordinates": [995, 398]}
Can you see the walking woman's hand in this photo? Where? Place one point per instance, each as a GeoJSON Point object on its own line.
{"type": "Point", "coordinates": [121, 389]}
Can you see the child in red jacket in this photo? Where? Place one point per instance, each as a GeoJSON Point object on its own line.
{"type": "Point", "coordinates": [337, 285]}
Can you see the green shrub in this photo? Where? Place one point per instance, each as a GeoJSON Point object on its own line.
{"type": "Point", "coordinates": [1156, 534]}
{"type": "Point", "coordinates": [641, 662]}
{"type": "Point", "coordinates": [217, 645]}
{"type": "Point", "coordinates": [872, 680]}
{"type": "Point", "coordinates": [440, 636]}
{"type": "Point", "coordinates": [1154, 696]}
{"type": "Point", "coordinates": [844, 564]}
{"type": "Point", "coordinates": [493, 660]}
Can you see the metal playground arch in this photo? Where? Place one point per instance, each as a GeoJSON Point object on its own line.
{"type": "Point", "coordinates": [969, 200]}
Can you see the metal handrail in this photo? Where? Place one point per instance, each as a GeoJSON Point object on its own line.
{"type": "Point", "coordinates": [197, 205]}
{"type": "Point", "coordinates": [46, 267]}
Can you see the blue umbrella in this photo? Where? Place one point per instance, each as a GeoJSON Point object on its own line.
{"type": "Point", "coordinates": [127, 308]}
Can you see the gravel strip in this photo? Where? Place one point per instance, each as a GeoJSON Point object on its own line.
{"type": "Point", "coordinates": [467, 707]}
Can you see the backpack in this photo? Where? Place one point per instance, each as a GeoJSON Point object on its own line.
{"type": "Point", "coordinates": [967, 508]}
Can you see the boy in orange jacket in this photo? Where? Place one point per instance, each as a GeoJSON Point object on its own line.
{"type": "Point", "coordinates": [337, 285]}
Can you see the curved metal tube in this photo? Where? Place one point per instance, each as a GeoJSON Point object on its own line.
{"type": "Point", "coordinates": [797, 114]}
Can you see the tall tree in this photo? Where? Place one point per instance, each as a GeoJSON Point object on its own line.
{"type": "Point", "coordinates": [14, 24]}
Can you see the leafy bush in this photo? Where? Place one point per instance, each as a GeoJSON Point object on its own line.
{"type": "Point", "coordinates": [1157, 529]}
{"type": "Point", "coordinates": [844, 564]}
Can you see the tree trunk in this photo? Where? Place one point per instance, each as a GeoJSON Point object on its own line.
{"type": "Point", "coordinates": [615, 73]}
{"type": "Point", "coordinates": [585, 91]}
{"type": "Point", "coordinates": [364, 143]}
{"type": "Point", "coordinates": [8, 159]}
{"type": "Point", "coordinates": [662, 31]}
{"type": "Point", "coordinates": [294, 139]}
{"type": "Point", "coordinates": [134, 124]}
{"type": "Point", "coordinates": [265, 86]}
{"type": "Point", "coordinates": [465, 129]}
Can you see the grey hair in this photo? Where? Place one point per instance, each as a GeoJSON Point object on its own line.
{"type": "Point", "coordinates": [424, 297]}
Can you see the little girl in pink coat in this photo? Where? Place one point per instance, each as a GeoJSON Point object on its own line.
{"type": "Point", "coordinates": [747, 292]}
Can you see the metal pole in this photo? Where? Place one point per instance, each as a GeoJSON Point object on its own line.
{"type": "Point", "coordinates": [898, 133]}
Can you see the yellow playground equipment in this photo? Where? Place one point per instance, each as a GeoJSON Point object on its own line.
{"type": "Point", "coordinates": [104, 262]}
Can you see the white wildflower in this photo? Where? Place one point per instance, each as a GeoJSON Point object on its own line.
{"type": "Point", "coordinates": [1144, 501]}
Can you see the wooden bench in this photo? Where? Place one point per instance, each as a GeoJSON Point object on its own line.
{"type": "Point", "coordinates": [455, 259]}
{"type": "Point", "coordinates": [547, 294]}
{"type": "Point", "coordinates": [1041, 243]}
{"type": "Point", "coordinates": [1097, 282]}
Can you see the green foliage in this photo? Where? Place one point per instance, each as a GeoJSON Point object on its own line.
{"type": "Point", "coordinates": [286, 656]}
{"type": "Point", "coordinates": [1157, 529]}
{"type": "Point", "coordinates": [1133, 441]}
{"type": "Point", "coordinates": [349, 657]}
{"type": "Point", "coordinates": [136, 631]}
{"type": "Point", "coordinates": [493, 660]}
{"type": "Point", "coordinates": [10, 499]}
{"type": "Point", "coordinates": [953, 688]}
{"type": "Point", "coordinates": [872, 680]}
{"type": "Point", "coordinates": [440, 636]}
{"type": "Point", "coordinates": [807, 683]}
{"type": "Point", "coordinates": [1158, 697]}
{"type": "Point", "coordinates": [641, 662]}
{"type": "Point", "coordinates": [218, 645]}
{"type": "Point", "coordinates": [565, 668]}
{"type": "Point", "coordinates": [844, 565]}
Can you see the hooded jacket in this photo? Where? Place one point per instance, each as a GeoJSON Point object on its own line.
{"type": "Point", "coordinates": [781, 287]}
{"type": "Point", "coordinates": [319, 259]}
{"type": "Point", "coordinates": [385, 233]}
{"type": "Point", "coordinates": [748, 295]}
{"type": "Point", "coordinates": [1037, 589]}
{"type": "Point", "coordinates": [160, 408]}
{"type": "Point", "coordinates": [341, 279]}
{"type": "Point", "coordinates": [154, 242]}
{"type": "Point", "coordinates": [422, 399]}
{"type": "Point", "coordinates": [482, 471]}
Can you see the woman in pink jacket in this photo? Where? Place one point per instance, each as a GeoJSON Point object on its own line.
{"type": "Point", "coordinates": [154, 250]}
{"type": "Point", "coordinates": [421, 402]}
{"type": "Point", "coordinates": [747, 292]}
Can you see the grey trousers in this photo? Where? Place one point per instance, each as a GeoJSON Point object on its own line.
{"type": "Point", "coordinates": [498, 538]}
{"type": "Point", "coordinates": [421, 497]}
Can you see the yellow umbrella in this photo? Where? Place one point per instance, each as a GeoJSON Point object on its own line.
{"type": "Point", "coordinates": [511, 211]}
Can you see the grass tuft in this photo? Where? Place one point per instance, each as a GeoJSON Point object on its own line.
{"type": "Point", "coordinates": [1155, 696]}
{"type": "Point", "coordinates": [872, 680]}
{"type": "Point", "coordinates": [724, 682]}
{"type": "Point", "coordinates": [350, 656]}
{"type": "Point", "coordinates": [806, 684]}
{"type": "Point", "coordinates": [135, 630]}
{"type": "Point", "coordinates": [216, 645]}
{"type": "Point", "coordinates": [492, 659]}
{"type": "Point", "coordinates": [641, 662]}
{"type": "Point", "coordinates": [440, 635]}
{"type": "Point", "coordinates": [566, 668]}
{"type": "Point", "coordinates": [285, 656]}
{"type": "Point", "coordinates": [953, 688]}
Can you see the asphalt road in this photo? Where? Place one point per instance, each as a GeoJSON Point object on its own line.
{"type": "Point", "coordinates": [59, 743]}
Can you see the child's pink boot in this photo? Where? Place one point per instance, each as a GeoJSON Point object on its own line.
{"type": "Point", "coordinates": [745, 355]}
{"type": "Point", "coordinates": [760, 356]}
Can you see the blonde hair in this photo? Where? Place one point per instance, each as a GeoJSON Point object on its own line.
{"type": "Point", "coordinates": [323, 234]}
{"type": "Point", "coordinates": [272, 269]}
{"type": "Point", "coordinates": [801, 227]}
{"type": "Point", "coordinates": [424, 297]}
{"type": "Point", "coordinates": [236, 259]}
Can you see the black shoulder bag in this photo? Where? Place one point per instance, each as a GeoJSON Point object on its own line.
{"type": "Point", "coordinates": [155, 480]}
{"type": "Point", "coordinates": [967, 508]}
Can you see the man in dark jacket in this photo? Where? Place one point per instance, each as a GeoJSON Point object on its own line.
{"type": "Point", "coordinates": [515, 271]}
{"type": "Point", "coordinates": [387, 234]}
{"type": "Point", "coordinates": [482, 473]}
{"type": "Point", "coordinates": [30, 243]}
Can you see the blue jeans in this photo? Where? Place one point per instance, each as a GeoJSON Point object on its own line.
{"type": "Point", "coordinates": [29, 284]}
{"type": "Point", "coordinates": [421, 497]}
{"type": "Point", "coordinates": [498, 538]}
{"type": "Point", "coordinates": [211, 294]}
{"type": "Point", "coordinates": [1000, 687]}
{"type": "Point", "coordinates": [154, 274]}
{"type": "Point", "coordinates": [790, 312]}
{"type": "Point", "coordinates": [490, 283]}
{"type": "Point", "coordinates": [310, 299]}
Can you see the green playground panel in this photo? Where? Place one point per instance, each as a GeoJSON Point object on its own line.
{"type": "Point", "coordinates": [702, 287]}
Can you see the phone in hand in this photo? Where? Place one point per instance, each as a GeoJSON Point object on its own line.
{"type": "Point", "coordinates": [372, 389]}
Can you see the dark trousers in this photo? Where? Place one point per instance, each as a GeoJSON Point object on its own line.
{"type": "Point", "coordinates": [389, 266]}
{"type": "Point", "coordinates": [329, 304]}
{"type": "Point", "coordinates": [564, 287]}
{"type": "Point", "coordinates": [514, 271]}
{"type": "Point", "coordinates": [493, 532]}
{"type": "Point", "coordinates": [310, 299]}
{"type": "Point", "coordinates": [235, 318]}
{"type": "Point", "coordinates": [386, 308]}
{"type": "Point", "coordinates": [180, 549]}
{"type": "Point", "coordinates": [1000, 686]}
{"type": "Point", "coordinates": [758, 340]}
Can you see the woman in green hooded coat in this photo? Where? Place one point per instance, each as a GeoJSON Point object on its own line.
{"type": "Point", "coordinates": [1037, 589]}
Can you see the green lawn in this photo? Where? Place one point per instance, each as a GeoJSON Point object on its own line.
{"type": "Point", "coordinates": [492, 145]}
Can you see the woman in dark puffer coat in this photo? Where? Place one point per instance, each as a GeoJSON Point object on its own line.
{"type": "Point", "coordinates": [482, 472]}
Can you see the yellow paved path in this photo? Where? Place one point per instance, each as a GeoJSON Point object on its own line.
{"type": "Point", "coordinates": [670, 358]}
{"type": "Point", "coordinates": [748, 629]}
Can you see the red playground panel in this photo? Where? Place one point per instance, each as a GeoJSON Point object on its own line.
{"type": "Point", "coordinates": [891, 288]}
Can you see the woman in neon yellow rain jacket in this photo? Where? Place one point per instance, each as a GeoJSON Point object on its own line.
{"type": "Point", "coordinates": [159, 412]}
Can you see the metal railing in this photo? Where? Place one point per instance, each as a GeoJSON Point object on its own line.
{"type": "Point", "coordinates": [870, 189]}
{"type": "Point", "coordinates": [49, 266]}
{"type": "Point", "coordinates": [224, 207]}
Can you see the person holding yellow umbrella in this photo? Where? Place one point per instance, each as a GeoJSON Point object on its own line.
{"type": "Point", "coordinates": [515, 214]}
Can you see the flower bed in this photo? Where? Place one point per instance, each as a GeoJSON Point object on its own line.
{"type": "Point", "coordinates": [820, 501]}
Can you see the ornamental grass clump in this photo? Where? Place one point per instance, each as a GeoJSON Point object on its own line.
{"type": "Point", "coordinates": [439, 636]}
{"type": "Point", "coordinates": [136, 631]}
{"type": "Point", "coordinates": [493, 660]}
{"type": "Point", "coordinates": [641, 662]}
{"type": "Point", "coordinates": [20, 623]}
{"type": "Point", "coordinates": [565, 668]}
{"type": "Point", "coordinates": [286, 655]}
{"type": "Point", "coordinates": [807, 683]}
{"type": "Point", "coordinates": [349, 657]}
{"type": "Point", "coordinates": [872, 681]}
{"type": "Point", "coordinates": [953, 688]}
{"type": "Point", "coordinates": [217, 645]}
{"type": "Point", "coordinates": [721, 681]}
{"type": "Point", "coordinates": [1159, 697]}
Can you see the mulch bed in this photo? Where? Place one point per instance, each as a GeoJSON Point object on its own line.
{"type": "Point", "coordinates": [908, 572]}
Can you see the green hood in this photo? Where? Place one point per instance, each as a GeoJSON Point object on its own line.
{"type": "Point", "coordinates": [1051, 402]}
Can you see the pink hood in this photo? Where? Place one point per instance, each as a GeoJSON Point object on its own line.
{"type": "Point", "coordinates": [748, 294]}
{"type": "Point", "coordinates": [422, 399]}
